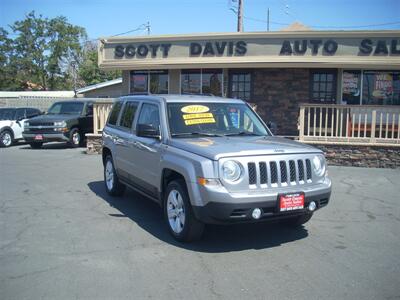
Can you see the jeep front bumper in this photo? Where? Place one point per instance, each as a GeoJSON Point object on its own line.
{"type": "Point", "coordinates": [224, 207]}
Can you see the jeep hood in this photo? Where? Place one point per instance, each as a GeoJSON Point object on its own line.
{"type": "Point", "coordinates": [51, 118]}
{"type": "Point", "coordinates": [219, 147]}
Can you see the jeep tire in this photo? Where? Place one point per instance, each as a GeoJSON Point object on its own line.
{"type": "Point", "coordinates": [178, 213]}
{"type": "Point", "coordinates": [113, 186]}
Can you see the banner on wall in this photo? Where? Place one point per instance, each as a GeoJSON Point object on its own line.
{"type": "Point", "coordinates": [351, 83]}
{"type": "Point", "coordinates": [383, 86]}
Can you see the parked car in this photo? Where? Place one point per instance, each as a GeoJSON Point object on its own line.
{"type": "Point", "coordinates": [12, 122]}
{"type": "Point", "coordinates": [210, 160]}
{"type": "Point", "coordinates": [66, 121]}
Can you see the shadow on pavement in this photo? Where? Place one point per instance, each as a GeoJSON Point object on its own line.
{"type": "Point", "coordinates": [217, 238]}
{"type": "Point", "coordinates": [50, 146]}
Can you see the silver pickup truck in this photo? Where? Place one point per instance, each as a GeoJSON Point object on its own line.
{"type": "Point", "coordinates": [210, 160]}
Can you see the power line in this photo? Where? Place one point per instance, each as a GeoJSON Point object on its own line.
{"type": "Point", "coordinates": [325, 26]}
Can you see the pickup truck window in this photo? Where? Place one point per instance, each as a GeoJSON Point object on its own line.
{"type": "Point", "coordinates": [215, 118]}
{"type": "Point", "coordinates": [68, 108]}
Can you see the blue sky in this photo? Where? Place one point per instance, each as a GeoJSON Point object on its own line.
{"type": "Point", "coordinates": [110, 17]}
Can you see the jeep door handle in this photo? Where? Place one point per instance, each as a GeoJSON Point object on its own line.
{"type": "Point", "coordinates": [119, 141]}
{"type": "Point", "coordinates": [141, 146]}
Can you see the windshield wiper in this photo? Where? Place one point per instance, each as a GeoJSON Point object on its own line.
{"type": "Point", "coordinates": [196, 133]}
{"type": "Point", "coordinates": [243, 133]}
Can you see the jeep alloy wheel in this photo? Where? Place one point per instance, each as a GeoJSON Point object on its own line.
{"type": "Point", "coordinates": [175, 211]}
{"type": "Point", "coordinates": [178, 213]}
{"type": "Point", "coordinates": [113, 186]}
{"type": "Point", "coordinates": [109, 175]}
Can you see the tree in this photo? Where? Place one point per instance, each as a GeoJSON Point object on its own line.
{"type": "Point", "coordinates": [89, 71]}
{"type": "Point", "coordinates": [41, 52]}
{"type": "Point", "coordinates": [7, 73]}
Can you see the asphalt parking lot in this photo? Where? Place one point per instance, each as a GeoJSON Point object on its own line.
{"type": "Point", "coordinates": [62, 237]}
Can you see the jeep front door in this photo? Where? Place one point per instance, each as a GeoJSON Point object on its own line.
{"type": "Point", "coordinates": [146, 151]}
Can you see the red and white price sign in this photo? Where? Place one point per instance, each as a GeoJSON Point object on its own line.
{"type": "Point", "coordinates": [291, 202]}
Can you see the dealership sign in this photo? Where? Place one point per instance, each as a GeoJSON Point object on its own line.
{"type": "Point", "coordinates": [239, 48]}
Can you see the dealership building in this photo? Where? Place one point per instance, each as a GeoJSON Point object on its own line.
{"type": "Point", "coordinates": [274, 71]}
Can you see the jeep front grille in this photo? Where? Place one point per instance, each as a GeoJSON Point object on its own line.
{"type": "Point", "coordinates": [279, 173]}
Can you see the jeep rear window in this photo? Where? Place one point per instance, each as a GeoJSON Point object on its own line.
{"type": "Point", "coordinates": [213, 118]}
{"type": "Point", "coordinates": [112, 120]}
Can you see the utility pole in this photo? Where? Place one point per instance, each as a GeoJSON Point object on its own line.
{"type": "Point", "coordinates": [240, 16]}
{"type": "Point", "coordinates": [268, 19]}
{"type": "Point", "coordinates": [148, 28]}
{"type": "Point", "coordinates": [73, 64]}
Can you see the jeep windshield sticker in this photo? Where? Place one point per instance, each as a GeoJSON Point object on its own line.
{"type": "Point", "coordinates": [195, 109]}
{"type": "Point", "coordinates": [199, 121]}
{"type": "Point", "coordinates": [197, 116]}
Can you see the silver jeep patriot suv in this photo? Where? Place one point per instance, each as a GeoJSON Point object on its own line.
{"type": "Point", "coordinates": [210, 160]}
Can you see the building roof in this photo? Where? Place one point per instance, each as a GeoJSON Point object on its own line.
{"type": "Point", "coordinates": [54, 94]}
{"type": "Point", "coordinates": [296, 26]}
{"type": "Point", "coordinates": [99, 85]}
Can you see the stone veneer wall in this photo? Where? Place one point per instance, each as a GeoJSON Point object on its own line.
{"type": "Point", "coordinates": [278, 93]}
{"type": "Point", "coordinates": [93, 143]}
{"type": "Point", "coordinates": [362, 156]}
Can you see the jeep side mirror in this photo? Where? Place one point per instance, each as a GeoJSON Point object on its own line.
{"type": "Point", "coordinates": [147, 130]}
{"type": "Point", "coordinates": [272, 127]}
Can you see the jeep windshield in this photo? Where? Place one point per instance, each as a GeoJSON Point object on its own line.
{"type": "Point", "coordinates": [68, 108]}
{"type": "Point", "coordinates": [213, 119]}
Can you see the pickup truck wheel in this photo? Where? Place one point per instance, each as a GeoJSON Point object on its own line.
{"type": "Point", "coordinates": [6, 138]}
{"type": "Point", "coordinates": [111, 181]}
{"type": "Point", "coordinates": [36, 145]}
{"type": "Point", "coordinates": [178, 213]}
{"type": "Point", "coordinates": [298, 221]}
{"type": "Point", "coordinates": [75, 138]}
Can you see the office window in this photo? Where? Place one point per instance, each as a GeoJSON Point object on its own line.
{"type": "Point", "coordinates": [381, 88]}
{"type": "Point", "coordinates": [240, 85]}
{"type": "Point", "coordinates": [323, 86]}
{"type": "Point", "coordinates": [154, 82]}
{"type": "Point", "coordinates": [351, 87]}
{"type": "Point", "coordinates": [206, 81]}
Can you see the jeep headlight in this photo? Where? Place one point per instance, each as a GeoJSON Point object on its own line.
{"type": "Point", "coordinates": [60, 124]}
{"type": "Point", "coordinates": [232, 171]}
{"type": "Point", "coordinates": [26, 124]}
{"type": "Point", "coordinates": [319, 165]}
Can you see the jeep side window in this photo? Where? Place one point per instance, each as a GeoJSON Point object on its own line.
{"type": "Point", "coordinates": [149, 115]}
{"type": "Point", "coordinates": [113, 118]}
{"type": "Point", "coordinates": [128, 115]}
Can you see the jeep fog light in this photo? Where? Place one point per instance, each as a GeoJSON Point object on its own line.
{"type": "Point", "coordinates": [231, 171]}
{"type": "Point", "coordinates": [256, 214]}
{"type": "Point", "coordinates": [312, 206]}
